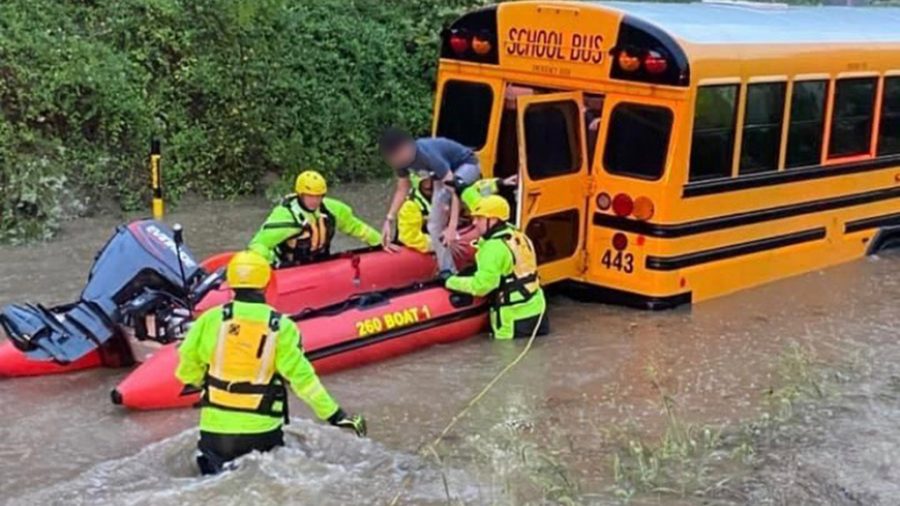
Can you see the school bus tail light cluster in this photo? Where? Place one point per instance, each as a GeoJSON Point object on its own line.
{"type": "Point", "coordinates": [623, 206]}
{"type": "Point", "coordinates": [631, 60]}
{"type": "Point", "coordinates": [461, 41]}
{"type": "Point", "coordinates": [472, 38]}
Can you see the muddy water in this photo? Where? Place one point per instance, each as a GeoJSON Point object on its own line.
{"type": "Point", "coordinates": [545, 427]}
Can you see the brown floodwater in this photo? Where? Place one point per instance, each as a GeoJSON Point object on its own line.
{"type": "Point", "coordinates": [547, 425]}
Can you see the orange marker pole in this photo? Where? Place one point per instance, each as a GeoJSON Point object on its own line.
{"type": "Point", "coordinates": [156, 179]}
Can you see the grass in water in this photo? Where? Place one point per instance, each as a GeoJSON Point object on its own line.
{"type": "Point", "coordinates": [691, 460]}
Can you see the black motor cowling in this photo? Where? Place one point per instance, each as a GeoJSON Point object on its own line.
{"type": "Point", "coordinates": [135, 279]}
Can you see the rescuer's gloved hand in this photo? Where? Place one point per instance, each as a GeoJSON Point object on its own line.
{"type": "Point", "coordinates": [356, 423]}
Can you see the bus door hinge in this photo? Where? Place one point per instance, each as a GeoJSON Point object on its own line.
{"type": "Point", "coordinates": [590, 188]}
{"type": "Point", "coordinates": [583, 261]}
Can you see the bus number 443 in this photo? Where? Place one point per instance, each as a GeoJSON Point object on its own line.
{"type": "Point", "coordinates": [618, 260]}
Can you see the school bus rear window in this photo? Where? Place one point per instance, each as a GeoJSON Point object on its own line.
{"type": "Point", "coordinates": [889, 132]}
{"type": "Point", "coordinates": [712, 144]}
{"type": "Point", "coordinates": [807, 124]}
{"type": "Point", "coordinates": [851, 122]}
{"type": "Point", "coordinates": [555, 236]}
{"type": "Point", "coordinates": [638, 141]}
{"type": "Point", "coordinates": [552, 139]}
{"type": "Point", "coordinates": [465, 113]}
{"type": "Point", "coordinates": [761, 140]}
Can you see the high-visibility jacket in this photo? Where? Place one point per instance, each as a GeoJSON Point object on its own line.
{"type": "Point", "coordinates": [506, 268]}
{"type": "Point", "coordinates": [412, 221]}
{"type": "Point", "coordinates": [471, 194]}
{"type": "Point", "coordinates": [294, 235]}
{"type": "Point", "coordinates": [243, 354]}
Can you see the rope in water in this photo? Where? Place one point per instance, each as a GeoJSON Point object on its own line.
{"type": "Point", "coordinates": [432, 447]}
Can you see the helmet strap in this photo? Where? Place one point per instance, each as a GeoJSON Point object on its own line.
{"type": "Point", "coordinates": [249, 295]}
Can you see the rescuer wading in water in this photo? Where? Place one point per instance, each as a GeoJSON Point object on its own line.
{"type": "Point", "coordinates": [243, 355]}
{"type": "Point", "coordinates": [507, 270]}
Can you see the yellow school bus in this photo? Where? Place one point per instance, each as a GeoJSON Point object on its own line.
{"type": "Point", "coordinates": [670, 153]}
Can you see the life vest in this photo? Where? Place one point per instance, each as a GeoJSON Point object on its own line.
{"type": "Point", "coordinates": [524, 278]}
{"type": "Point", "coordinates": [424, 205]}
{"type": "Point", "coordinates": [242, 375]}
{"type": "Point", "coordinates": [313, 242]}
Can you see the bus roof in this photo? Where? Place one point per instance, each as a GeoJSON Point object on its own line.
{"type": "Point", "coordinates": [746, 23]}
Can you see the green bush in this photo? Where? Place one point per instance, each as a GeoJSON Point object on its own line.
{"type": "Point", "coordinates": [235, 89]}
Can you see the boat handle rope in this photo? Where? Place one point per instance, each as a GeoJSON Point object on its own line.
{"type": "Point", "coordinates": [431, 447]}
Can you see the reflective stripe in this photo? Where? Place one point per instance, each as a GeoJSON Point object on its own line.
{"type": "Point", "coordinates": [216, 369]}
{"type": "Point", "coordinates": [311, 390]}
{"type": "Point", "coordinates": [268, 358]}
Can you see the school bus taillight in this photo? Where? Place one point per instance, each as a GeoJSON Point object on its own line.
{"type": "Point", "coordinates": [481, 45]}
{"type": "Point", "coordinates": [620, 241]}
{"type": "Point", "coordinates": [622, 205]}
{"type": "Point", "coordinates": [459, 43]}
{"type": "Point", "coordinates": [655, 63]}
{"type": "Point", "coordinates": [643, 209]}
{"type": "Point", "coordinates": [628, 61]}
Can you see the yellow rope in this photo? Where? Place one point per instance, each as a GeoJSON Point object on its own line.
{"type": "Point", "coordinates": [432, 447]}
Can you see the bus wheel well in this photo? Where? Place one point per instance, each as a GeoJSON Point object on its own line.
{"type": "Point", "coordinates": [887, 238]}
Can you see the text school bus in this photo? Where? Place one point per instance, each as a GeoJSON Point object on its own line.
{"type": "Point", "coordinates": [671, 153]}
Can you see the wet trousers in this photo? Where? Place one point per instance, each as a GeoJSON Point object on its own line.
{"type": "Point", "coordinates": [217, 450]}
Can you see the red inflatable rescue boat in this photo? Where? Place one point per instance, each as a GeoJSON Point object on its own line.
{"type": "Point", "coordinates": [366, 328]}
{"type": "Point", "coordinates": [136, 287]}
{"type": "Point", "coordinates": [14, 363]}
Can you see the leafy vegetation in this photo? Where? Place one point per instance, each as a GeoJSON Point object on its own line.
{"type": "Point", "coordinates": [236, 90]}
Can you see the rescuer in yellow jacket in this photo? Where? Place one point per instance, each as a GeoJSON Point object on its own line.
{"type": "Point", "coordinates": [507, 271]}
{"type": "Point", "coordinates": [300, 229]}
{"type": "Point", "coordinates": [412, 218]}
{"type": "Point", "coordinates": [243, 355]}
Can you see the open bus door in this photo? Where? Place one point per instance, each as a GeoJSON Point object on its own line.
{"type": "Point", "coordinates": [553, 181]}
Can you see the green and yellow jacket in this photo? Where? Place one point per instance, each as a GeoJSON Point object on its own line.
{"type": "Point", "coordinates": [506, 269]}
{"type": "Point", "coordinates": [243, 355]}
{"type": "Point", "coordinates": [294, 235]}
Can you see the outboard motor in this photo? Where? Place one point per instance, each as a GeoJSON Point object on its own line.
{"type": "Point", "coordinates": [135, 284]}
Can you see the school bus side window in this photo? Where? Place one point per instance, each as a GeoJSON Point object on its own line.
{"type": "Point", "coordinates": [465, 113]}
{"type": "Point", "coordinates": [804, 145]}
{"type": "Point", "coordinates": [889, 133]}
{"type": "Point", "coordinates": [761, 140]}
{"type": "Point", "coordinates": [712, 143]}
{"type": "Point", "coordinates": [638, 141]}
{"type": "Point", "coordinates": [851, 121]}
{"type": "Point", "coordinates": [552, 139]}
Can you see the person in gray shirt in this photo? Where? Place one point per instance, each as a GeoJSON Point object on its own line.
{"type": "Point", "coordinates": [450, 165]}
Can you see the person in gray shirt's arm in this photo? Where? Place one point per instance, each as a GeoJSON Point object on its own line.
{"type": "Point", "coordinates": [450, 165]}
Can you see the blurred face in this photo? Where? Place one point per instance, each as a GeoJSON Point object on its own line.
{"type": "Point", "coordinates": [403, 156]}
{"type": "Point", "coordinates": [482, 224]}
{"type": "Point", "coordinates": [311, 202]}
{"type": "Point", "coordinates": [426, 187]}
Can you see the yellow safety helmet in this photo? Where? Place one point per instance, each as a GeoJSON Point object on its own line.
{"type": "Point", "coordinates": [248, 269]}
{"type": "Point", "coordinates": [492, 206]}
{"type": "Point", "coordinates": [310, 182]}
